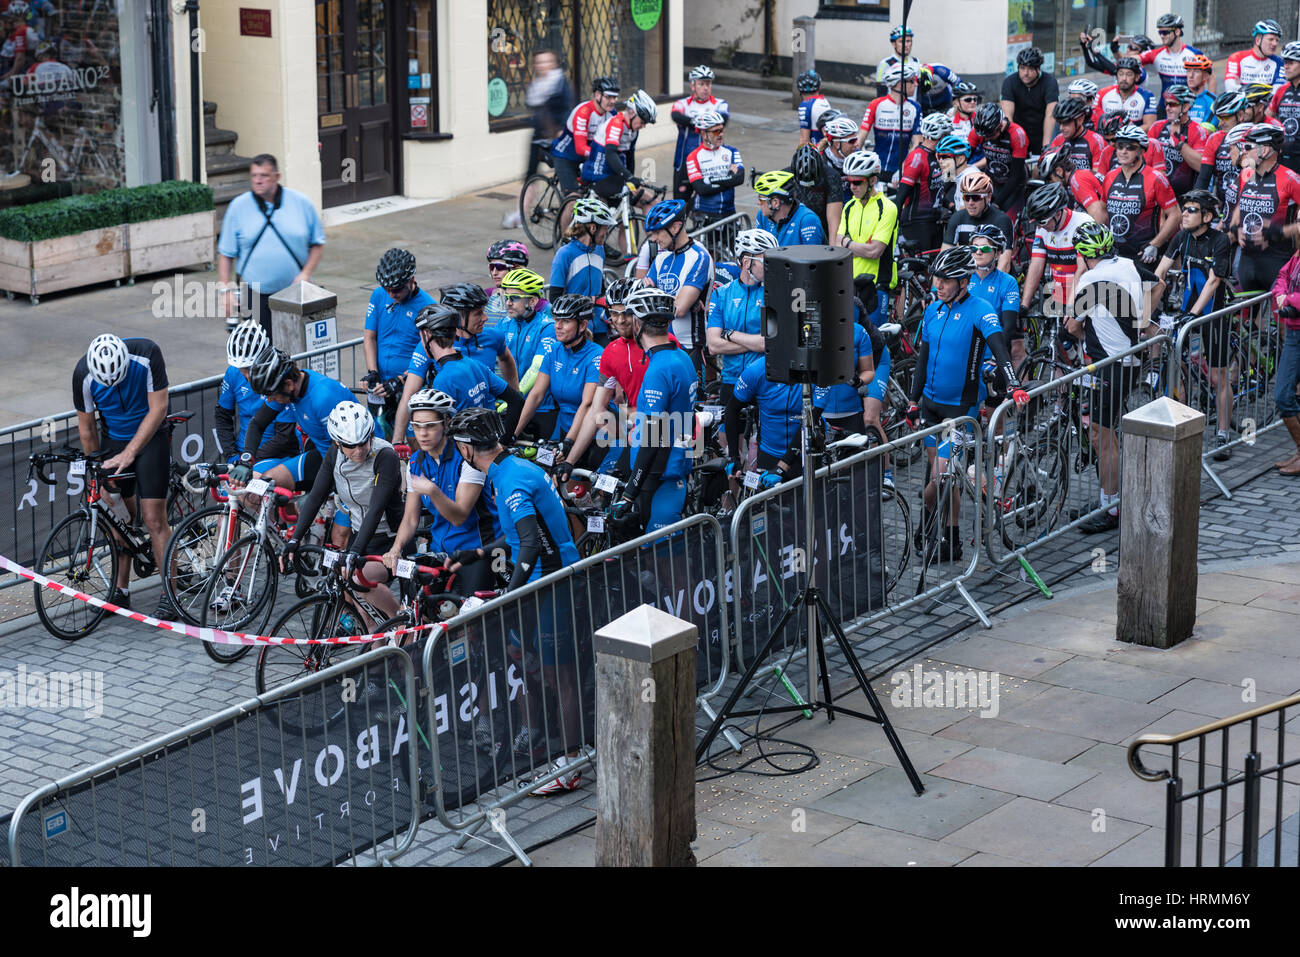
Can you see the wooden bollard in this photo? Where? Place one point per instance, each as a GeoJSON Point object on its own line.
{"type": "Point", "coordinates": [1160, 507]}
{"type": "Point", "coordinates": [645, 740]}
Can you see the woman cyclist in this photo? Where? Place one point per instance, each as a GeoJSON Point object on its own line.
{"type": "Point", "coordinates": [502, 256]}
{"type": "Point", "coordinates": [579, 266]}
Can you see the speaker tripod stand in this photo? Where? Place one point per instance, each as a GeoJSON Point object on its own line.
{"type": "Point", "coordinates": [818, 617]}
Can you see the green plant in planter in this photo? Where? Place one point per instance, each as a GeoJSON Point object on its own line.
{"type": "Point", "coordinates": [111, 207]}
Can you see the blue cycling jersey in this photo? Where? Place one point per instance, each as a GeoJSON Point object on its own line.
{"type": "Point", "coordinates": [311, 411]}
{"type": "Point", "coordinates": [1201, 109]}
{"type": "Point", "coordinates": [123, 406]}
{"type": "Point", "coordinates": [394, 326]}
{"type": "Point", "coordinates": [237, 396]}
{"type": "Point", "coordinates": [580, 269]}
{"type": "Point", "coordinates": [998, 289]}
{"type": "Point", "coordinates": [486, 348]}
{"type": "Point", "coordinates": [466, 381]}
{"type": "Point", "coordinates": [527, 341]}
{"type": "Point", "coordinates": [447, 471]}
{"type": "Point", "coordinates": [780, 408]}
{"type": "Point", "coordinates": [521, 489]}
{"type": "Point", "coordinates": [667, 393]}
{"type": "Point", "coordinates": [737, 306]}
{"type": "Point", "coordinates": [840, 400]}
{"type": "Point", "coordinates": [809, 109]}
{"type": "Point", "coordinates": [955, 335]}
{"type": "Point", "coordinates": [802, 228]}
{"type": "Point", "coordinates": [570, 371]}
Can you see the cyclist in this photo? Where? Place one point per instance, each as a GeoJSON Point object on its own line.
{"type": "Point", "coordinates": [953, 154]}
{"type": "Point", "coordinates": [474, 339]}
{"type": "Point", "coordinates": [935, 87]}
{"type": "Point", "coordinates": [536, 532]}
{"type": "Point", "coordinates": [811, 107]}
{"type": "Point", "coordinates": [890, 126]}
{"type": "Point", "coordinates": [1267, 202]}
{"type": "Point", "coordinates": [965, 103]}
{"type": "Point", "coordinates": [237, 398]}
{"type": "Point", "coordinates": [1029, 98]}
{"type": "Point", "coordinates": [447, 488]}
{"type": "Point", "coordinates": [665, 417]}
{"type": "Point", "coordinates": [841, 140]}
{"type": "Point", "coordinates": [1180, 140]}
{"type": "Point", "coordinates": [503, 256]}
{"type": "Point", "coordinates": [1200, 71]}
{"type": "Point", "coordinates": [817, 182]}
{"type": "Point", "coordinates": [844, 406]}
{"type": "Point", "coordinates": [1112, 303]}
{"type": "Point", "coordinates": [613, 153]}
{"type": "Point", "coordinates": [781, 214]}
{"type": "Point", "coordinates": [919, 184]}
{"type": "Point", "coordinates": [684, 113]}
{"type": "Point", "coordinates": [1203, 256]}
{"type": "Point", "coordinates": [1005, 146]}
{"type": "Point", "coordinates": [997, 288]}
{"type": "Point", "coordinates": [390, 337]}
{"type": "Point", "coordinates": [570, 375]}
{"type": "Point", "coordinates": [1216, 162]}
{"type": "Point", "coordinates": [1085, 91]}
{"type": "Point", "coordinates": [1140, 204]}
{"type": "Point", "coordinates": [1049, 208]}
{"type": "Point", "coordinates": [901, 39]}
{"type": "Point", "coordinates": [1136, 102]}
{"type": "Point", "coordinates": [363, 473]}
{"type": "Point", "coordinates": [1258, 97]}
{"type": "Point", "coordinates": [579, 265]}
{"type": "Point", "coordinates": [977, 209]}
{"type": "Point", "coordinates": [947, 384]}
{"type": "Point", "coordinates": [1171, 57]}
{"type": "Point", "coordinates": [125, 381]}
{"type": "Point", "coordinates": [683, 269]}
{"type": "Point", "coordinates": [1134, 47]}
{"type": "Point", "coordinates": [575, 141]}
{"type": "Point", "coordinates": [529, 332]}
{"type": "Point", "coordinates": [1084, 146]}
{"type": "Point", "coordinates": [713, 170]}
{"type": "Point", "coordinates": [735, 321]}
{"type": "Point", "coordinates": [1083, 185]}
{"type": "Point", "coordinates": [780, 426]}
{"type": "Point", "coordinates": [1285, 106]}
{"type": "Point", "coordinates": [1259, 64]}
{"type": "Point", "coordinates": [869, 230]}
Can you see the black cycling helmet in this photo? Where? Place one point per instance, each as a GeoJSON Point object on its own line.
{"type": "Point", "coordinates": [988, 120]}
{"type": "Point", "coordinates": [990, 233]}
{"type": "Point", "coordinates": [809, 82]}
{"type": "Point", "coordinates": [438, 319]}
{"type": "Point", "coordinates": [1203, 198]}
{"type": "Point", "coordinates": [1046, 201]}
{"type": "Point", "coordinates": [465, 296]}
{"type": "Point", "coordinates": [1071, 108]}
{"type": "Point", "coordinates": [1129, 63]}
{"type": "Point", "coordinates": [573, 306]}
{"type": "Point", "coordinates": [269, 369]}
{"type": "Point", "coordinates": [826, 117]}
{"type": "Point", "coordinates": [1110, 122]}
{"type": "Point", "coordinates": [616, 292]}
{"type": "Point", "coordinates": [605, 84]}
{"type": "Point", "coordinates": [1226, 104]}
{"type": "Point", "coordinates": [957, 262]}
{"type": "Point", "coordinates": [480, 428]}
{"type": "Point", "coordinates": [509, 251]}
{"type": "Point", "coordinates": [965, 88]}
{"type": "Point", "coordinates": [1170, 21]}
{"type": "Point", "coordinates": [809, 169]}
{"type": "Point", "coordinates": [1031, 57]}
{"type": "Point", "coordinates": [1263, 134]}
{"type": "Point", "coordinates": [1179, 92]}
{"type": "Point", "coordinates": [1055, 161]}
{"type": "Point", "coordinates": [396, 268]}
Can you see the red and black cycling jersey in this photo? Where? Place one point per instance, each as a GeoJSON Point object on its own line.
{"type": "Point", "coordinates": [1085, 188]}
{"type": "Point", "coordinates": [1268, 202]}
{"type": "Point", "coordinates": [1134, 204]}
{"type": "Point", "coordinates": [1085, 150]}
{"type": "Point", "coordinates": [1153, 157]}
{"type": "Point", "coordinates": [1013, 143]}
{"type": "Point", "coordinates": [1286, 107]}
{"type": "Point", "coordinates": [1181, 176]}
{"type": "Point", "coordinates": [922, 172]}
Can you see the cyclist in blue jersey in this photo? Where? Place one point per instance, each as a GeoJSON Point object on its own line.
{"type": "Point", "coordinates": [844, 406]}
{"type": "Point", "coordinates": [309, 397]}
{"type": "Point", "coordinates": [528, 330]}
{"type": "Point", "coordinates": [665, 418]}
{"type": "Point", "coordinates": [684, 112]}
{"type": "Point", "coordinates": [390, 335]}
{"type": "Point", "coordinates": [475, 340]}
{"type": "Point", "coordinates": [502, 256]}
{"type": "Point", "coordinates": [811, 106]}
{"type": "Point", "coordinates": [579, 265]}
{"type": "Point", "coordinates": [791, 222]}
{"type": "Point", "coordinates": [714, 170]}
{"type": "Point", "coordinates": [995, 287]}
{"type": "Point", "coordinates": [735, 323]}
{"type": "Point", "coordinates": [537, 535]}
{"type": "Point", "coordinates": [571, 376]}
{"type": "Point", "coordinates": [683, 269]}
{"type": "Point", "coordinates": [780, 426]}
{"type": "Point", "coordinates": [613, 152]}
{"type": "Point", "coordinates": [237, 399]}
{"type": "Point", "coordinates": [125, 381]}
{"type": "Point", "coordinates": [573, 145]}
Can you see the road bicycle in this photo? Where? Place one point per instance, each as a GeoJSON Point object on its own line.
{"type": "Point", "coordinates": [541, 200]}
{"type": "Point", "coordinates": [629, 227]}
{"type": "Point", "coordinates": [83, 161]}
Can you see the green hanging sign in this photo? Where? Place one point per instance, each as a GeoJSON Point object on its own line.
{"type": "Point", "coordinates": [646, 13]}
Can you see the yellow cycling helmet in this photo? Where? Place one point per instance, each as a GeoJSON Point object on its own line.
{"type": "Point", "coordinates": [524, 280]}
{"type": "Point", "coordinates": [1254, 92]}
{"type": "Point", "coordinates": [775, 183]}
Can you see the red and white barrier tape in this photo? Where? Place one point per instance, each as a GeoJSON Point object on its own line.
{"type": "Point", "coordinates": [213, 635]}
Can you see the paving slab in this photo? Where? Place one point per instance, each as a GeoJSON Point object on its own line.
{"type": "Point", "coordinates": [767, 850]}
{"type": "Point", "coordinates": [780, 818]}
{"type": "Point", "coordinates": [1065, 710]}
{"type": "Point", "coordinates": [1231, 588]}
{"type": "Point", "coordinates": [1023, 828]}
{"type": "Point", "coordinates": [880, 847]}
{"type": "Point", "coordinates": [1013, 773]}
{"type": "Point", "coordinates": [991, 653]}
{"type": "Point", "coordinates": [887, 799]}
{"type": "Point", "coordinates": [1005, 736]}
{"type": "Point", "coordinates": [1112, 678]}
{"type": "Point", "coordinates": [1148, 850]}
{"type": "Point", "coordinates": [1218, 699]}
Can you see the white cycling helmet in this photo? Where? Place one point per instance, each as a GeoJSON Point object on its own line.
{"type": "Point", "coordinates": [1083, 88]}
{"type": "Point", "coordinates": [432, 400]}
{"type": "Point", "coordinates": [591, 210]}
{"type": "Point", "coordinates": [1132, 133]}
{"type": "Point", "coordinates": [841, 128]}
{"type": "Point", "coordinates": [350, 423]}
{"type": "Point", "coordinates": [701, 72]}
{"type": "Point", "coordinates": [107, 359]}
{"type": "Point", "coordinates": [861, 163]}
{"type": "Point", "coordinates": [709, 120]}
{"type": "Point", "coordinates": [935, 126]}
{"type": "Point", "coordinates": [644, 105]}
{"type": "Point", "coordinates": [753, 242]}
{"type": "Point", "coordinates": [244, 343]}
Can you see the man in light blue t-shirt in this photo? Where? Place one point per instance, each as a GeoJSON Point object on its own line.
{"type": "Point", "coordinates": [271, 237]}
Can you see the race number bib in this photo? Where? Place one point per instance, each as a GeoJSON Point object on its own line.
{"type": "Point", "coordinates": [606, 483]}
{"type": "Point", "coordinates": [256, 487]}
{"type": "Point", "coordinates": [596, 523]}
{"type": "Point", "coordinates": [405, 568]}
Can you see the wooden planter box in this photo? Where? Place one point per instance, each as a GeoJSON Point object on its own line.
{"type": "Point", "coordinates": [162, 244]}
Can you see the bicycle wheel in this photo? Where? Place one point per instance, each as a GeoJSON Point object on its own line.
{"type": "Point", "coordinates": [239, 595]}
{"type": "Point", "coordinates": [196, 545]}
{"type": "Point", "coordinates": [312, 618]}
{"type": "Point", "coordinates": [896, 521]}
{"type": "Point", "coordinates": [540, 215]}
{"type": "Point", "coordinates": [75, 559]}
{"type": "Point", "coordinates": [181, 502]}
{"type": "Point", "coordinates": [1032, 495]}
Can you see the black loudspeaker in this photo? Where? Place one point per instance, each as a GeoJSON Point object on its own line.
{"type": "Point", "coordinates": [808, 314]}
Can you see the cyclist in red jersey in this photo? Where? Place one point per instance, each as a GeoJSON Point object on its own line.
{"type": "Point", "coordinates": [1217, 167]}
{"type": "Point", "coordinates": [1083, 145]}
{"type": "Point", "coordinates": [1267, 203]}
{"type": "Point", "coordinates": [1140, 202]}
{"type": "Point", "coordinates": [1179, 139]}
{"type": "Point", "coordinates": [1285, 106]}
{"type": "Point", "coordinates": [919, 184]}
{"type": "Point", "coordinates": [1084, 185]}
{"type": "Point", "coordinates": [1005, 146]}
{"type": "Point", "coordinates": [1111, 124]}
{"type": "Point", "coordinates": [1259, 64]}
{"type": "Point", "coordinates": [1049, 208]}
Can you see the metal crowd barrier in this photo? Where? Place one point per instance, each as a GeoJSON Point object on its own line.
{"type": "Point", "coordinates": [1042, 473]}
{"type": "Point", "coordinates": [1215, 777]}
{"type": "Point", "coordinates": [717, 237]}
{"type": "Point", "coordinates": [1250, 355]}
{"type": "Point", "coordinates": [510, 686]}
{"type": "Point", "coordinates": [317, 772]}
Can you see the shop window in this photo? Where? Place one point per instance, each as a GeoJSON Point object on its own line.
{"type": "Point", "coordinates": [420, 76]}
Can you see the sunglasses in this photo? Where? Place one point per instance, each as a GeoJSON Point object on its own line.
{"type": "Point", "coordinates": [516, 298]}
{"type": "Point", "coordinates": [968, 99]}
{"type": "Point", "coordinates": [1191, 209]}
{"type": "Point", "coordinates": [855, 182]}
{"type": "Point", "coordinates": [495, 266]}
{"type": "Point", "coordinates": [984, 249]}
{"type": "Point", "coordinates": [971, 197]}
{"type": "Point", "coordinates": [344, 445]}
{"type": "Point", "coordinates": [422, 426]}
{"type": "Point", "coordinates": [1246, 146]}
{"type": "Point", "coordinates": [1165, 33]}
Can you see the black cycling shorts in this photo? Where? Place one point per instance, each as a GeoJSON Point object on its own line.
{"type": "Point", "coordinates": [151, 468]}
{"type": "Point", "coordinates": [1216, 342]}
{"type": "Point", "coordinates": [609, 189]}
{"type": "Point", "coordinates": [567, 171]}
{"type": "Point", "coordinates": [1114, 383]}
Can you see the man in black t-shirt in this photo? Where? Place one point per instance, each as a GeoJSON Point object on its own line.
{"type": "Point", "coordinates": [1029, 97]}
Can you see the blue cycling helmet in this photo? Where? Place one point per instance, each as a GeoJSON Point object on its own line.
{"type": "Point", "coordinates": [953, 144]}
{"type": "Point", "coordinates": [664, 214]}
{"type": "Point", "coordinates": [899, 32]}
